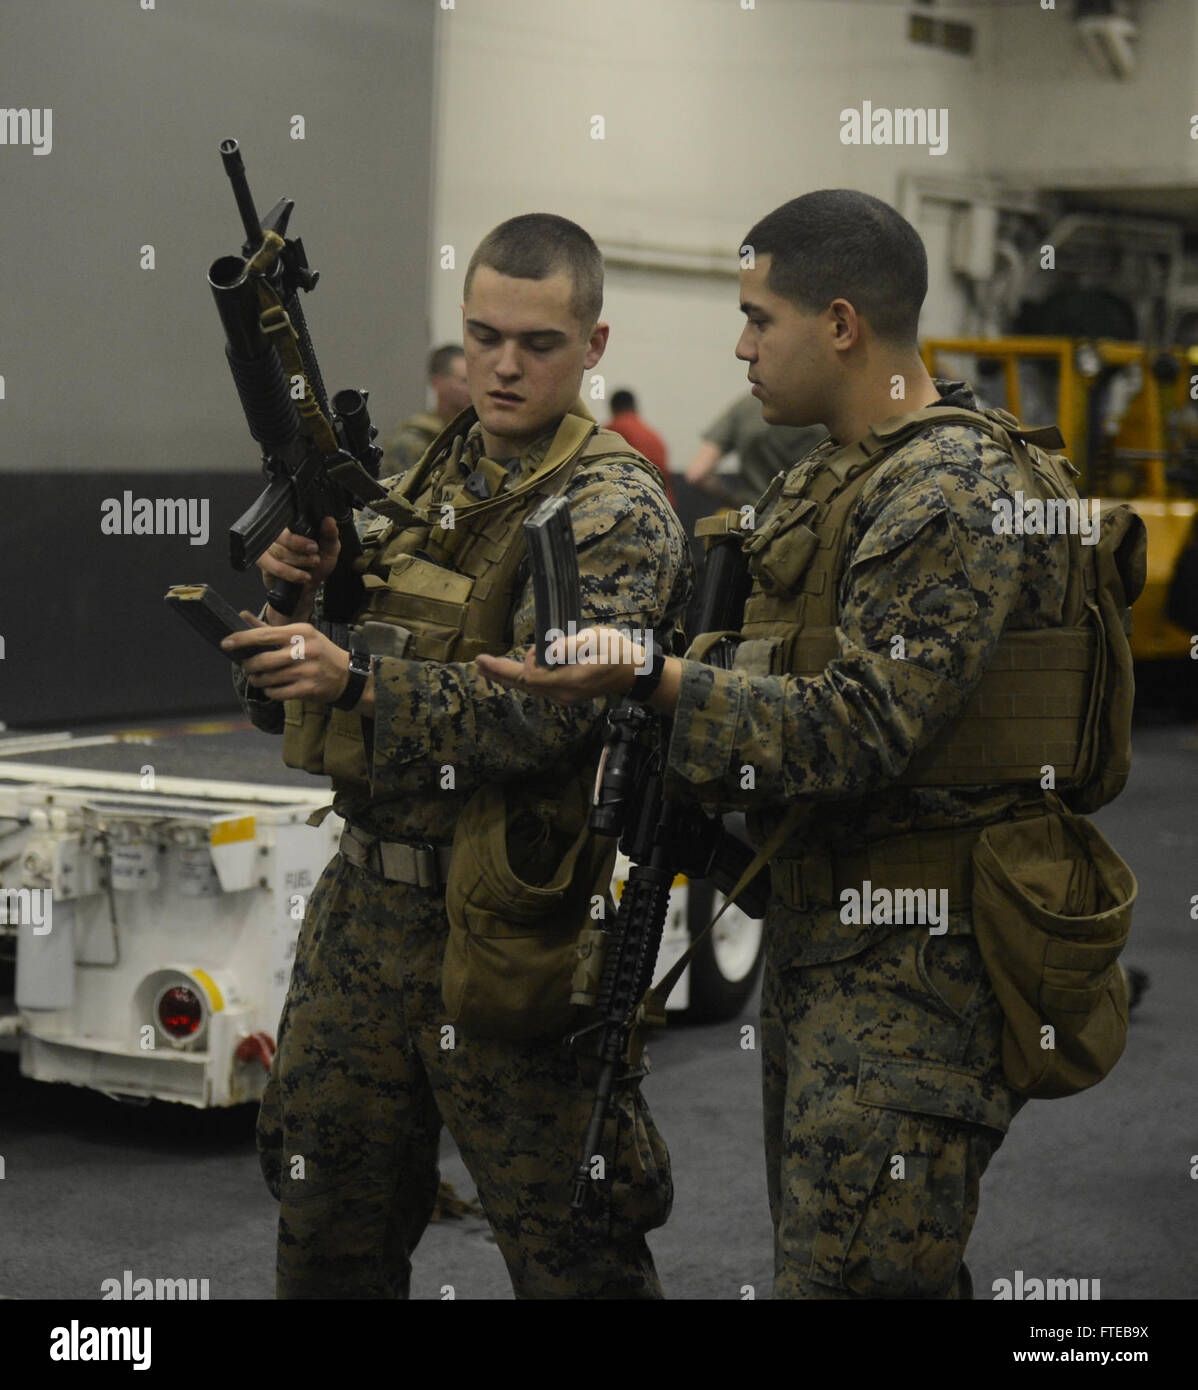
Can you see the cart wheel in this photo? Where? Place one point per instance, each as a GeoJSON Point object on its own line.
{"type": "Point", "coordinates": [726, 967]}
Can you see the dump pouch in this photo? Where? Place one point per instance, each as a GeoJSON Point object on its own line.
{"type": "Point", "coordinates": [1052, 906]}
{"type": "Point", "coordinates": [512, 942]}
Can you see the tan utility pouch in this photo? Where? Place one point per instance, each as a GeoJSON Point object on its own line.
{"type": "Point", "coordinates": [1052, 906]}
{"type": "Point", "coordinates": [511, 949]}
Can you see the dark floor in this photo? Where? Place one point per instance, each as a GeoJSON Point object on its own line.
{"type": "Point", "coordinates": [1099, 1186]}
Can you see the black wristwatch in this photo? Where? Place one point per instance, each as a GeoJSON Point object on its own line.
{"type": "Point", "coordinates": [359, 670]}
{"type": "Point", "coordinates": [645, 684]}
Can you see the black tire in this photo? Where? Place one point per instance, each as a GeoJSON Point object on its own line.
{"type": "Point", "coordinates": [726, 968]}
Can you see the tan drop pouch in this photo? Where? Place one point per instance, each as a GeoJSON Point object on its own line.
{"type": "Point", "coordinates": [523, 872]}
{"type": "Point", "coordinates": [1052, 906]}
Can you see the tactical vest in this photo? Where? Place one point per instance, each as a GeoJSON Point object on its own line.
{"type": "Point", "coordinates": [438, 591]}
{"type": "Point", "coordinates": [1031, 706]}
{"type": "Point", "coordinates": [1048, 900]}
{"type": "Point", "coordinates": [1052, 696]}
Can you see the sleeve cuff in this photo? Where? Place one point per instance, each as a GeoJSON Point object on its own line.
{"type": "Point", "coordinates": [705, 724]}
{"type": "Point", "coordinates": [402, 702]}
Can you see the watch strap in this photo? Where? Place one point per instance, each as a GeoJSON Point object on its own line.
{"type": "Point", "coordinates": [359, 672]}
{"type": "Point", "coordinates": [647, 682]}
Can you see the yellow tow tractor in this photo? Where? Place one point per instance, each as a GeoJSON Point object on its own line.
{"type": "Point", "coordinates": [1130, 427]}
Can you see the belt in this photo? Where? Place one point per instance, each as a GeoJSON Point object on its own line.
{"type": "Point", "coordinates": [423, 864]}
{"type": "Point", "coordinates": [931, 859]}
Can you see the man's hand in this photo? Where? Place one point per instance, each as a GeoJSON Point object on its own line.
{"type": "Point", "coordinates": [595, 662]}
{"type": "Point", "coordinates": [301, 561]}
{"type": "Point", "coordinates": [294, 662]}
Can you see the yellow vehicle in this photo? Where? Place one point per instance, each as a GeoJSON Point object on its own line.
{"type": "Point", "coordinates": [1130, 427]}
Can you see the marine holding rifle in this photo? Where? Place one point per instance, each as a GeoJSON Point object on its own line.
{"type": "Point", "coordinates": [466, 843]}
{"type": "Point", "coordinates": [909, 681]}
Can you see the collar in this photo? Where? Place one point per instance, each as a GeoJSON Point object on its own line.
{"type": "Point", "coordinates": [531, 457]}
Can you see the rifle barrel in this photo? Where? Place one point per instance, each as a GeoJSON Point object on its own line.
{"type": "Point", "coordinates": [230, 154]}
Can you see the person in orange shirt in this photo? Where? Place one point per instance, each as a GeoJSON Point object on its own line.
{"type": "Point", "coordinates": [625, 421]}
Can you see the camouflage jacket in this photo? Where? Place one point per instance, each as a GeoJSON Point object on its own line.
{"type": "Point", "coordinates": [922, 562]}
{"type": "Point", "coordinates": [634, 571]}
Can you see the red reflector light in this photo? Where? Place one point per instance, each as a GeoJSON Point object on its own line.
{"type": "Point", "coordinates": [180, 1011]}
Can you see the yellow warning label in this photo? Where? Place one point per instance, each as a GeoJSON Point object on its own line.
{"type": "Point", "coordinates": [228, 832]}
{"type": "Point", "coordinates": [211, 988]}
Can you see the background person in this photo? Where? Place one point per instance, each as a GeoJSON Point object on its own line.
{"type": "Point", "coordinates": [447, 380]}
{"type": "Point", "coordinates": [762, 450]}
{"type": "Point", "coordinates": [627, 423]}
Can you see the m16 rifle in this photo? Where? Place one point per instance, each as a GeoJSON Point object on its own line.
{"type": "Point", "coordinates": [309, 451]}
{"type": "Point", "coordinates": [661, 837]}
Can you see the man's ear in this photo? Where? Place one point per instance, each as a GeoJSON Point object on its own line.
{"type": "Point", "coordinates": [846, 325]}
{"type": "Point", "coordinates": [597, 344]}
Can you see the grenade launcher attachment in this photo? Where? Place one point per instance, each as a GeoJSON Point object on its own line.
{"type": "Point", "coordinates": [661, 836]}
{"type": "Point", "coordinates": [317, 461]}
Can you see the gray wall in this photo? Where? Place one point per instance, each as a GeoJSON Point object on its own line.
{"type": "Point", "coordinates": [112, 367]}
{"type": "Point", "coordinates": [119, 371]}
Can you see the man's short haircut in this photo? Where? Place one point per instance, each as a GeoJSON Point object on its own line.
{"type": "Point", "coordinates": [838, 243]}
{"type": "Point", "coordinates": [535, 246]}
{"type": "Point", "coordinates": [441, 359]}
{"type": "Point", "coordinates": [622, 401]}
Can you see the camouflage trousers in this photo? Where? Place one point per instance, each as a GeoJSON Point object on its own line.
{"type": "Point", "coordinates": [884, 1102]}
{"type": "Point", "coordinates": [366, 1073]}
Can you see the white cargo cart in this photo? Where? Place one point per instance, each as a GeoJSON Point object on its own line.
{"type": "Point", "coordinates": [174, 904]}
{"type": "Point", "coordinates": [153, 905]}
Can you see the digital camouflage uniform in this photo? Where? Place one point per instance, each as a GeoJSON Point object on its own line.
{"type": "Point", "coordinates": [363, 1078]}
{"type": "Point", "coordinates": [880, 1042]}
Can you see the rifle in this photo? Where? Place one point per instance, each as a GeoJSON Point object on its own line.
{"type": "Point", "coordinates": [309, 452]}
{"type": "Point", "coordinates": [661, 836]}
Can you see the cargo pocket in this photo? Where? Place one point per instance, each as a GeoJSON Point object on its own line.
{"type": "Point", "coordinates": [900, 1200]}
{"type": "Point", "coordinates": [345, 747]}
{"type": "Point", "coordinates": [511, 951]}
{"type": "Point", "coordinates": [305, 723]}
